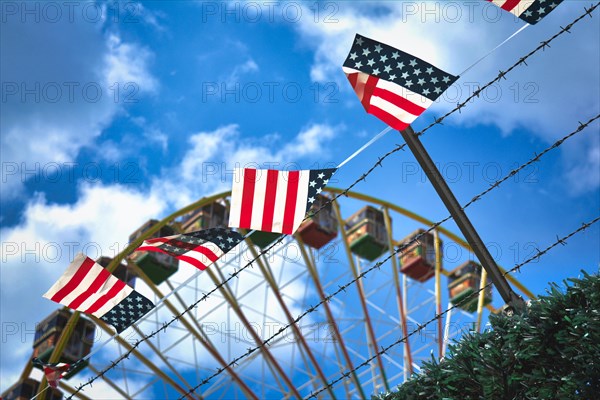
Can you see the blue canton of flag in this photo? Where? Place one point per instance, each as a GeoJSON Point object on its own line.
{"type": "Point", "coordinates": [392, 85]}
{"type": "Point", "coordinates": [129, 310]}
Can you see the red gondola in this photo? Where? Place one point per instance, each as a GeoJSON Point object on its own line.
{"type": "Point", "coordinates": [417, 261]}
{"type": "Point", "coordinates": [318, 230]}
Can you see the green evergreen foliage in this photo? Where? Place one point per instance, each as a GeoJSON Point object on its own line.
{"type": "Point", "coordinates": [551, 351]}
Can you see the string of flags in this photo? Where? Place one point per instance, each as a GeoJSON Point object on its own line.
{"type": "Point", "coordinates": [391, 84]}
{"type": "Point", "coordinates": [52, 371]}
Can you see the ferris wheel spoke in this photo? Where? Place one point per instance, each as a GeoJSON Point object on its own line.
{"type": "Point", "coordinates": [372, 341]}
{"type": "Point", "coordinates": [338, 338]}
{"type": "Point", "coordinates": [193, 320]}
{"type": "Point", "coordinates": [148, 385]}
{"type": "Point", "coordinates": [166, 378]}
{"type": "Point", "coordinates": [268, 275]}
{"type": "Point", "coordinates": [398, 291]}
{"type": "Point", "coordinates": [63, 386]}
{"type": "Point", "coordinates": [272, 362]}
{"type": "Point", "coordinates": [110, 383]}
{"type": "Point", "coordinates": [198, 334]}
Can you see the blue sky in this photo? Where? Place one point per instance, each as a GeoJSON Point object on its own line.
{"type": "Point", "coordinates": [114, 115]}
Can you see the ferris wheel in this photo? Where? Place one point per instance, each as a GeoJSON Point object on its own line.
{"type": "Point", "coordinates": [330, 249]}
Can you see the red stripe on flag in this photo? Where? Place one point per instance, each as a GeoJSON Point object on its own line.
{"type": "Point", "coordinates": [353, 78]}
{"type": "Point", "coordinates": [247, 198]}
{"type": "Point", "coordinates": [94, 287]}
{"type": "Point", "coordinates": [207, 252]}
{"type": "Point", "coordinates": [369, 87]}
{"type": "Point", "coordinates": [80, 275]}
{"type": "Point", "coordinates": [388, 118]}
{"type": "Point", "coordinates": [290, 202]}
{"type": "Point", "coordinates": [510, 4]}
{"type": "Point", "coordinates": [271, 192]}
{"type": "Point", "coordinates": [117, 287]}
{"type": "Point", "coordinates": [196, 263]}
{"type": "Point", "coordinates": [154, 240]}
{"type": "Point", "coordinates": [398, 101]}
{"type": "Point", "coordinates": [52, 376]}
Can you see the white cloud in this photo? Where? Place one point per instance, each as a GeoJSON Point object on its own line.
{"type": "Point", "coordinates": [208, 165]}
{"type": "Point", "coordinates": [309, 142]}
{"type": "Point", "coordinates": [242, 69]}
{"type": "Point", "coordinates": [157, 136]}
{"type": "Point", "coordinates": [127, 64]}
{"type": "Point", "coordinates": [62, 93]}
{"type": "Point", "coordinates": [150, 17]}
{"type": "Point", "coordinates": [100, 222]}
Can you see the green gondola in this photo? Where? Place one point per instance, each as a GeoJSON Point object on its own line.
{"type": "Point", "coordinates": [264, 239]}
{"type": "Point", "coordinates": [463, 282]}
{"type": "Point", "coordinates": [366, 233]}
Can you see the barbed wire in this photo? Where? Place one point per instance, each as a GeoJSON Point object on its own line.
{"type": "Point", "coordinates": [536, 256]}
{"type": "Point", "coordinates": [459, 106]}
{"type": "Point", "coordinates": [533, 160]}
{"type": "Point", "coordinates": [399, 249]}
{"type": "Point", "coordinates": [236, 272]}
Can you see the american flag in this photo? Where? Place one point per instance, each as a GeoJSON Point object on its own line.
{"type": "Point", "coordinates": [530, 11]}
{"type": "Point", "coordinates": [53, 371]}
{"type": "Point", "coordinates": [87, 287]}
{"type": "Point", "coordinates": [391, 84]}
{"type": "Point", "coordinates": [274, 201]}
{"type": "Point", "coordinates": [200, 248]}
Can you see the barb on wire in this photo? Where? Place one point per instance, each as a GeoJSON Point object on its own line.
{"type": "Point", "coordinates": [467, 298]}
{"type": "Point", "coordinates": [399, 249]}
{"type": "Point", "coordinates": [335, 197]}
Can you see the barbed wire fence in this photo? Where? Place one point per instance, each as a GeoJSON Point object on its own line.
{"type": "Point", "coordinates": [399, 249]}
{"type": "Point", "coordinates": [378, 163]}
{"type": "Point", "coordinates": [536, 256]}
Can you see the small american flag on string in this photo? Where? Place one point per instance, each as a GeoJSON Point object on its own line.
{"type": "Point", "coordinates": [200, 248]}
{"type": "Point", "coordinates": [88, 287]}
{"type": "Point", "coordinates": [52, 371]}
{"type": "Point", "coordinates": [391, 84]}
{"type": "Point", "coordinates": [274, 201]}
{"type": "Point", "coordinates": [530, 11]}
